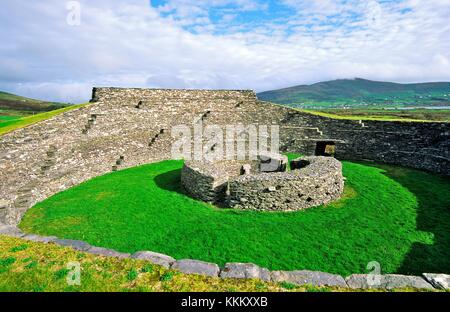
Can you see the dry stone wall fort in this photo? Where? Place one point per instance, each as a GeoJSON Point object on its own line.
{"type": "Point", "coordinates": [123, 128]}
{"type": "Point", "coordinates": [265, 184]}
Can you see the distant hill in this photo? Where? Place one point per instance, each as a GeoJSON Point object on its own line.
{"type": "Point", "coordinates": [348, 93]}
{"type": "Point", "coordinates": [14, 104]}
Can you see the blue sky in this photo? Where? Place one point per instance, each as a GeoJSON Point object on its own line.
{"type": "Point", "coordinates": [222, 17]}
{"type": "Point", "coordinates": [236, 44]}
{"type": "Point", "coordinates": [225, 15]}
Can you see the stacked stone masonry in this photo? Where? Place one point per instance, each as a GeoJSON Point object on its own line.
{"type": "Point", "coordinates": [319, 181]}
{"type": "Point", "coordinates": [123, 128]}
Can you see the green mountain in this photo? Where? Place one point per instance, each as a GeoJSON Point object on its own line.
{"type": "Point", "coordinates": [349, 93]}
{"type": "Point", "coordinates": [18, 105]}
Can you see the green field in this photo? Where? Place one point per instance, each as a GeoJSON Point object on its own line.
{"type": "Point", "coordinates": [396, 216]}
{"type": "Point", "coordinates": [9, 118]}
{"type": "Point", "coordinates": [11, 104]}
{"type": "Point", "coordinates": [10, 123]}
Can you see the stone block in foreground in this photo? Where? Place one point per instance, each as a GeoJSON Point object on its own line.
{"type": "Point", "coordinates": [108, 252]}
{"type": "Point", "coordinates": [40, 239]}
{"type": "Point", "coordinates": [305, 277]}
{"type": "Point", "coordinates": [388, 281]}
{"type": "Point", "coordinates": [75, 244]}
{"type": "Point", "coordinates": [196, 267]}
{"type": "Point", "coordinates": [440, 281]}
{"type": "Point", "coordinates": [245, 270]}
{"type": "Point", "coordinates": [10, 230]}
{"type": "Point", "coordinates": [155, 258]}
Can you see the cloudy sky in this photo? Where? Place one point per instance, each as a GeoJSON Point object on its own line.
{"type": "Point", "coordinates": [239, 44]}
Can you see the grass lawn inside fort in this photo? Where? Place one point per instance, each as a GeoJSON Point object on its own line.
{"type": "Point", "coordinates": [396, 216]}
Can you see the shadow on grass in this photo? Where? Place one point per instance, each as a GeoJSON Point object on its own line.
{"type": "Point", "coordinates": [433, 216]}
{"type": "Point", "coordinates": [170, 181]}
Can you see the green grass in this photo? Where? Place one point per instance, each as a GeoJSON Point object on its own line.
{"type": "Point", "coordinates": [396, 216]}
{"type": "Point", "coordinates": [11, 124]}
{"type": "Point", "coordinates": [8, 118]}
{"type": "Point", "coordinates": [12, 97]}
{"type": "Point", "coordinates": [22, 105]}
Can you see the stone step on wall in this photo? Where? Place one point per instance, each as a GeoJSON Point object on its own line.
{"type": "Point", "coordinates": [213, 118]}
{"type": "Point", "coordinates": [174, 105]}
{"type": "Point", "coordinates": [90, 123]}
{"type": "Point", "coordinates": [23, 202]}
{"type": "Point", "coordinates": [161, 135]}
{"type": "Point", "coordinates": [50, 159]}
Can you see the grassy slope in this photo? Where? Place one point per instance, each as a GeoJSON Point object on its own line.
{"type": "Point", "coordinates": [11, 104]}
{"type": "Point", "coordinates": [360, 92]}
{"type": "Point", "coordinates": [398, 217]}
{"type": "Point", "coordinates": [11, 124]}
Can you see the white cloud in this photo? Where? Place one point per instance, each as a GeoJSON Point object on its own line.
{"type": "Point", "coordinates": [132, 44]}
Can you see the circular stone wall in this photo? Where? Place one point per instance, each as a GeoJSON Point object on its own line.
{"type": "Point", "coordinates": [208, 181]}
{"type": "Point", "coordinates": [315, 181]}
{"type": "Point", "coordinates": [319, 182]}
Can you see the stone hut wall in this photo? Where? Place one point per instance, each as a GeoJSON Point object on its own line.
{"type": "Point", "coordinates": [318, 183]}
{"type": "Point", "coordinates": [199, 184]}
{"type": "Point", "coordinates": [208, 181]}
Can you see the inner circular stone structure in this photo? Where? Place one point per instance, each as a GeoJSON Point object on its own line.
{"type": "Point", "coordinates": [265, 184]}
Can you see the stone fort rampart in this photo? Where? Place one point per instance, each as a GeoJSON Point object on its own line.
{"type": "Point", "coordinates": [123, 128]}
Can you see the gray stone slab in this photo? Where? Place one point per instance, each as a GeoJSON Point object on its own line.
{"type": "Point", "coordinates": [75, 244]}
{"type": "Point", "coordinates": [440, 281]}
{"type": "Point", "coordinates": [40, 239]}
{"type": "Point", "coordinates": [10, 230]}
{"type": "Point", "coordinates": [108, 252]}
{"type": "Point", "coordinates": [196, 267]}
{"type": "Point", "coordinates": [245, 270]}
{"type": "Point", "coordinates": [155, 258]}
{"type": "Point", "coordinates": [387, 281]}
{"type": "Point", "coordinates": [305, 277]}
